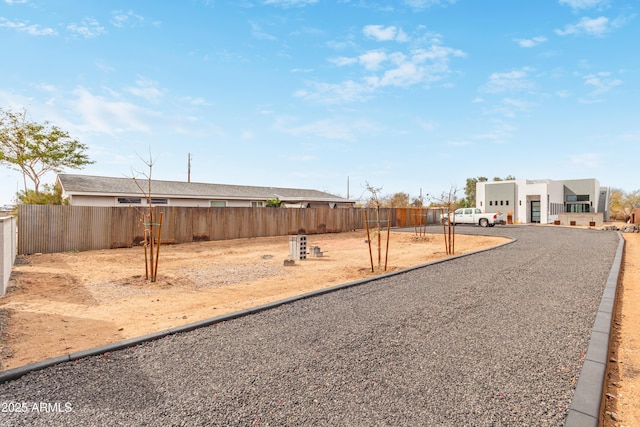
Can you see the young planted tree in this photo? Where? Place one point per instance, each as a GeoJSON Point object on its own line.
{"type": "Point", "coordinates": [449, 203]}
{"type": "Point", "coordinates": [375, 202]}
{"type": "Point", "coordinates": [34, 149]}
{"type": "Point", "coordinates": [152, 225]}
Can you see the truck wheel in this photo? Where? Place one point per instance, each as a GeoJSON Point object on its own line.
{"type": "Point", "coordinates": [483, 222]}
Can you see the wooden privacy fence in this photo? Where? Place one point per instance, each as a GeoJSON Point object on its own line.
{"type": "Point", "coordinates": [54, 228]}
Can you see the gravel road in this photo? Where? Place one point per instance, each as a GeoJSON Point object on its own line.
{"type": "Point", "coordinates": [495, 338]}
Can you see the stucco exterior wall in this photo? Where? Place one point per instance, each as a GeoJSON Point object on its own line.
{"type": "Point", "coordinates": [82, 200]}
{"type": "Point", "coordinates": [594, 219]}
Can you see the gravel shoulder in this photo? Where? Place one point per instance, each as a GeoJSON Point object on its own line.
{"type": "Point", "coordinates": [495, 338]}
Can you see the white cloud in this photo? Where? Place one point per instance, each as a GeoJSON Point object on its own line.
{"type": "Point", "coordinates": [146, 89]}
{"type": "Point", "coordinates": [372, 60]}
{"type": "Point", "coordinates": [517, 104]}
{"type": "Point", "coordinates": [33, 30]}
{"type": "Point", "coordinates": [88, 28]}
{"type": "Point", "coordinates": [341, 61]}
{"type": "Point", "coordinates": [289, 3]}
{"type": "Point", "coordinates": [381, 69]}
{"type": "Point", "coordinates": [405, 74]}
{"type": "Point", "coordinates": [427, 125]}
{"type": "Point", "coordinates": [532, 42]}
{"type": "Point", "coordinates": [500, 134]}
{"type": "Point", "coordinates": [15, 1]}
{"type": "Point", "coordinates": [589, 101]}
{"type": "Point", "coordinates": [106, 116]}
{"type": "Point", "coordinates": [129, 19]}
{"type": "Point", "coordinates": [563, 93]}
{"type": "Point", "coordinates": [511, 81]}
{"type": "Point", "coordinates": [258, 33]}
{"type": "Point", "coordinates": [591, 26]}
{"type": "Point", "coordinates": [425, 4]}
{"type": "Point", "coordinates": [459, 143]}
{"type": "Point", "coordinates": [584, 4]}
{"type": "Point", "coordinates": [196, 101]}
{"type": "Point", "coordinates": [509, 108]}
{"type": "Point", "coordinates": [103, 66]}
{"type": "Point", "coordinates": [630, 137]}
{"type": "Point", "coordinates": [381, 33]}
{"type": "Point", "coordinates": [45, 87]}
{"type": "Point", "coordinates": [325, 128]}
{"type": "Point", "coordinates": [586, 160]}
{"type": "Point", "coordinates": [334, 93]}
{"type": "Point", "coordinates": [601, 82]}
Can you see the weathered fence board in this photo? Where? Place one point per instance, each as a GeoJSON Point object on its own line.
{"type": "Point", "coordinates": [49, 228]}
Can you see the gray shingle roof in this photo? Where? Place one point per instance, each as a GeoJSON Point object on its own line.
{"type": "Point", "coordinates": [109, 186]}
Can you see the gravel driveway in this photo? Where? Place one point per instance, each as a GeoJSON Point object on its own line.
{"type": "Point", "coordinates": [495, 338]}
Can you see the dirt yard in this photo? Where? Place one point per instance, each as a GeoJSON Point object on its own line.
{"type": "Point", "coordinates": [622, 394]}
{"type": "Point", "coordinates": [62, 303]}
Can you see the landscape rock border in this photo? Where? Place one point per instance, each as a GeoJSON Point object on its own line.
{"type": "Point", "coordinates": [586, 406]}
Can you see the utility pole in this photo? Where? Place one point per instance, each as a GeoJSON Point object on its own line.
{"type": "Point", "coordinates": [189, 168]}
{"type": "Point", "coordinates": [347, 187]}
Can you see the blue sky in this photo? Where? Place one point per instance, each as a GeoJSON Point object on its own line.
{"type": "Point", "coordinates": [411, 96]}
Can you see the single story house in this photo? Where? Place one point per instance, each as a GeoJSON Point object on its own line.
{"type": "Point", "coordinates": [86, 190]}
{"type": "Point", "coordinates": [545, 201]}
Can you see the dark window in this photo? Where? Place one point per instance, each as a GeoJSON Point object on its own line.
{"type": "Point", "coordinates": [578, 208]}
{"type": "Point", "coordinates": [490, 202]}
{"type": "Point", "coordinates": [159, 201]}
{"type": "Point", "coordinates": [129, 200]}
{"type": "Point", "coordinates": [506, 203]}
{"type": "Point", "coordinates": [501, 202]}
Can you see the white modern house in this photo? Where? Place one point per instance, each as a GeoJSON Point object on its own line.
{"type": "Point", "coordinates": [87, 190]}
{"type": "Point", "coordinates": [546, 201]}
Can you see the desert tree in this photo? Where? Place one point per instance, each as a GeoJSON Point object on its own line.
{"type": "Point", "coordinates": [398, 200]}
{"type": "Point", "coordinates": [621, 203]}
{"type": "Point", "coordinates": [34, 149]}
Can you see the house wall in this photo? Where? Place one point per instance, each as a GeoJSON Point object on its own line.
{"type": "Point", "coordinates": [82, 200]}
{"type": "Point", "coordinates": [550, 194]}
{"type": "Point", "coordinates": [556, 200]}
{"type": "Point", "coordinates": [532, 192]}
{"type": "Point", "coordinates": [589, 187]}
{"type": "Point", "coordinates": [92, 201]}
{"type": "Point", "coordinates": [85, 200]}
{"type": "Point", "coordinates": [500, 196]}
{"type": "Point", "coordinates": [581, 219]}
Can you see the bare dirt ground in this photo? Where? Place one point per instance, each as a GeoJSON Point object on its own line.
{"type": "Point", "coordinates": [623, 376]}
{"type": "Point", "coordinates": [61, 303]}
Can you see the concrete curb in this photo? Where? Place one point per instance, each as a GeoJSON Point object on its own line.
{"type": "Point", "coordinates": [15, 373]}
{"type": "Point", "coordinates": [587, 403]}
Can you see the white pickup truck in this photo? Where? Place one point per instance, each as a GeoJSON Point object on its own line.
{"type": "Point", "coordinates": [474, 216]}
